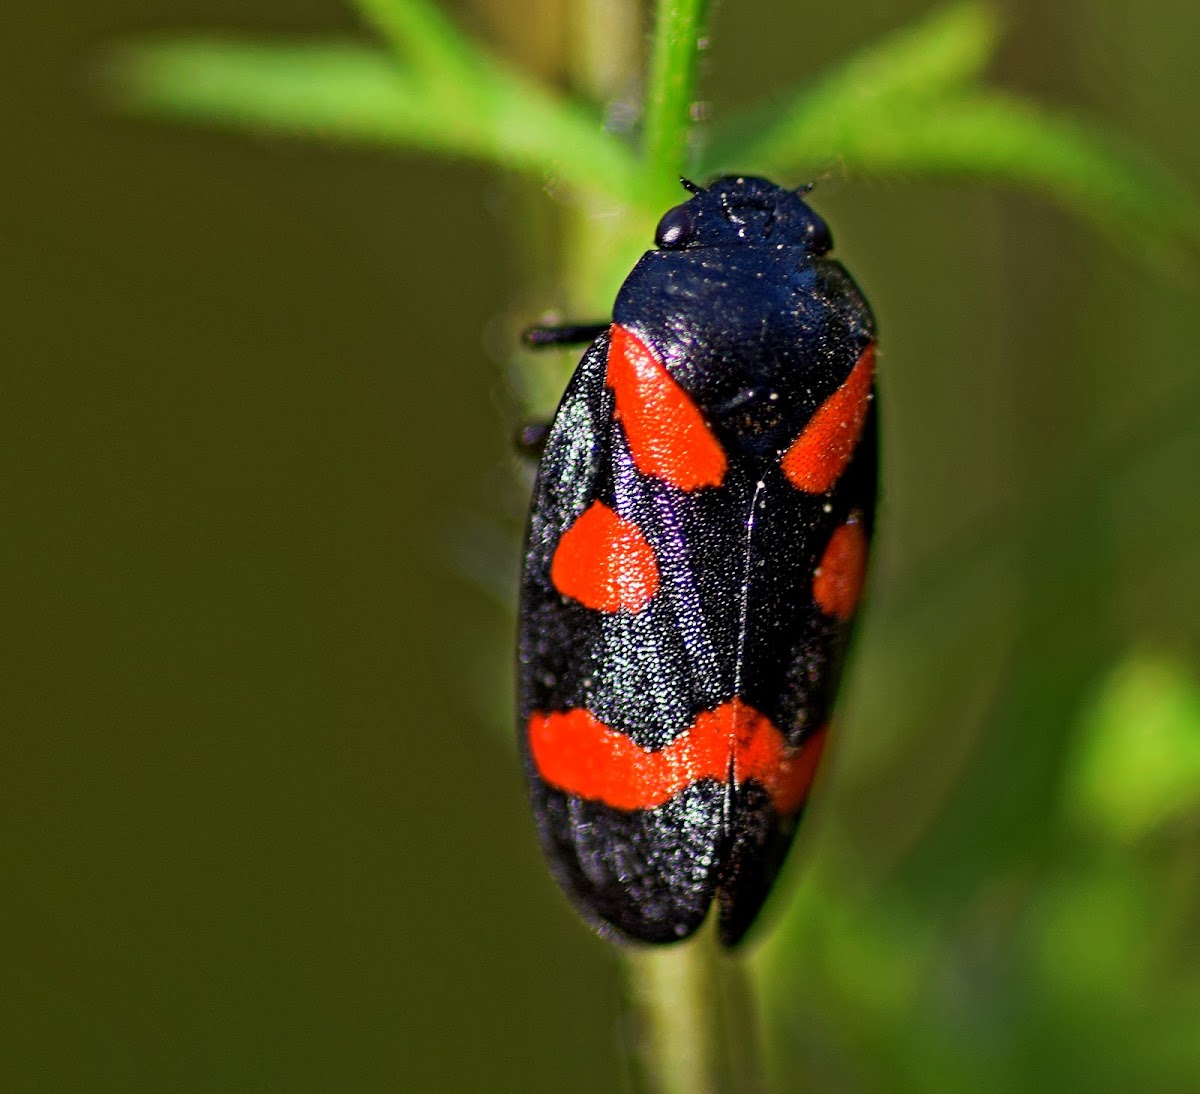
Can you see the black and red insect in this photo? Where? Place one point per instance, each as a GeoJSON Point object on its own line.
{"type": "Point", "coordinates": [695, 554]}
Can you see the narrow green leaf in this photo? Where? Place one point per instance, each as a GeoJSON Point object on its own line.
{"type": "Point", "coordinates": [422, 37]}
{"type": "Point", "coordinates": [508, 109]}
{"type": "Point", "coordinates": [916, 65]}
{"type": "Point", "coordinates": [671, 88]}
{"type": "Point", "coordinates": [349, 92]}
{"type": "Point", "coordinates": [331, 91]}
{"type": "Point", "coordinates": [521, 125]}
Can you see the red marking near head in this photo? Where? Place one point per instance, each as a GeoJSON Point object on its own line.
{"type": "Point", "coordinates": [576, 753]}
{"type": "Point", "coordinates": [668, 437]}
{"type": "Point", "coordinates": [604, 562]}
{"type": "Point", "coordinates": [817, 458]}
{"type": "Point", "coordinates": [838, 580]}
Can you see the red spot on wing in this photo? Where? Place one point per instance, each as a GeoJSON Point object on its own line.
{"type": "Point", "coordinates": [838, 580]}
{"type": "Point", "coordinates": [604, 562]}
{"type": "Point", "coordinates": [668, 438]}
{"type": "Point", "coordinates": [578, 754]}
{"type": "Point", "coordinates": [787, 775]}
{"type": "Point", "coordinates": [817, 458]}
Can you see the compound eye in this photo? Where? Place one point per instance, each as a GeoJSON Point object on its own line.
{"type": "Point", "coordinates": [676, 229]}
{"type": "Point", "coordinates": [819, 240]}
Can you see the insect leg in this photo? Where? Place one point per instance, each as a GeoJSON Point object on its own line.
{"type": "Point", "coordinates": [567, 334]}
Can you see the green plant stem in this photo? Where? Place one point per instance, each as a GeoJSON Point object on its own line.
{"type": "Point", "coordinates": [670, 91]}
{"type": "Point", "coordinates": [604, 232]}
{"type": "Point", "coordinates": [675, 991]}
{"type": "Point", "coordinates": [675, 1027]}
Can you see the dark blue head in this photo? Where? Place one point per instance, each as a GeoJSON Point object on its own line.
{"type": "Point", "coordinates": [742, 209]}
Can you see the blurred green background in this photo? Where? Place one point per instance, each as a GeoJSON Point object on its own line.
{"type": "Point", "coordinates": [260, 819]}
